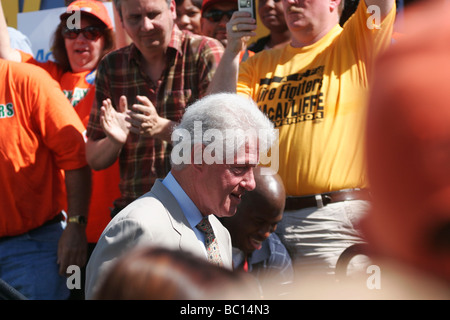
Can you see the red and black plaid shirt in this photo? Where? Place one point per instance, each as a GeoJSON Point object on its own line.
{"type": "Point", "coordinates": [191, 63]}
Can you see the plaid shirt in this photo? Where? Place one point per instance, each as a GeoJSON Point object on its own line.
{"type": "Point", "coordinates": [190, 66]}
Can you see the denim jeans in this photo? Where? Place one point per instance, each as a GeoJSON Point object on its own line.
{"type": "Point", "coordinates": [315, 237]}
{"type": "Point", "coordinates": [28, 263]}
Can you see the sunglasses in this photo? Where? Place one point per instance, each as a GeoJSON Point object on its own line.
{"type": "Point", "coordinates": [217, 15]}
{"type": "Point", "coordinates": [90, 33]}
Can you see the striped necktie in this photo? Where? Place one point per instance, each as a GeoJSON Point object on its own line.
{"type": "Point", "coordinates": [211, 244]}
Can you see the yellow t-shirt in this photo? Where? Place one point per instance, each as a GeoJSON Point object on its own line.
{"type": "Point", "coordinates": [316, 97]}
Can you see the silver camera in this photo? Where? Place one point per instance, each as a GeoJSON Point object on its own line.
{"type": "Point", "coordinates": [247, 5]}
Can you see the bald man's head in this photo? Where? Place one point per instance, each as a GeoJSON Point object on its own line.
{"type": "Point", "coordinates": [258, 213]}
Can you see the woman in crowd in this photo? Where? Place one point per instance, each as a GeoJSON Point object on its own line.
{"type": "Point", "coordinates": [189, 15]}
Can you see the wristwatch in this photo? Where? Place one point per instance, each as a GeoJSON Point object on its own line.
{"type": "Point", "coordinates": [81, 220]}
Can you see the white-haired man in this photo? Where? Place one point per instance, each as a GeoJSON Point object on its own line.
{"type": "Point", "coordinates": [195, 189]}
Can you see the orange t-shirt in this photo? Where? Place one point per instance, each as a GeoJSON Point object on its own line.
{"type": "Point", "coordinates": [40, 135]}
{"type": "Point", "coordinates": [79, 88]}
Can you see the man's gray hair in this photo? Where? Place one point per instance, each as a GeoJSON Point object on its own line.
{"type": "Point", "coordinates": [223, 119]}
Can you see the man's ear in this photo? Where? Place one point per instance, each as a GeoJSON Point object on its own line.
{"type": "Point", "coordinates": [173, 10]}
{"type": "Point", "coordinates": [334, 5]}
{"type": "Point", "coordinates": [197, 155]}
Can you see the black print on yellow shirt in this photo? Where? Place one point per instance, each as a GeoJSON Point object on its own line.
{"type": "Point", "coordinates": [318, 71]}
{"type": "Point", "coordinates": [294, 98]}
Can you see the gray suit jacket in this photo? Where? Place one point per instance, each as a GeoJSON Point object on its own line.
{"type": "Point", "coordinates": [154, 219]}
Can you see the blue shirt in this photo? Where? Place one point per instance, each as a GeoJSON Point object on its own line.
{"type": "Point", "coordinates": [190, 210]}
{"type": "Point", "coordinates": [271, 265]}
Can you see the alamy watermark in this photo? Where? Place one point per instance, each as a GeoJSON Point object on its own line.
{"type": "Point", "coordinates": [374, 21]}
{"type": "Point", "coordinates": [214, 146]}
{"type": "Point", "coordinates": [74, 277]}
{"type": "Point", "coordinates": [74, 20]}
{"type": "Point", "coordinates": [373, 281]}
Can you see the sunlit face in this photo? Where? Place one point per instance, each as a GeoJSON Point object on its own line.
{"type": "Point", "coordinates": [188, 17]}
{"type": "Point", "coordinates": [301, 14]}
{"type": "Point", "coordinates": [254, 226]}
{"type": "Point", "coordinates": [272, 15]}
{"type": "Point", "coordinates": [222, 185]}
{"type": "Point", "coordinates": [149, 23]}
{"type": "Point", "coordinates": [218, 29]}
{"type": "Point", "coordinates": [84, 54]}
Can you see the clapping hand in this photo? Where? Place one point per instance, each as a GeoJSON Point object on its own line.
{"type": "Point", "coordinates": [142, 119]}
{"type": "Point", "coordinates": [114, 123]}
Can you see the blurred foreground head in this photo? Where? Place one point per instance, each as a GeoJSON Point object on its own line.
{"type": "Point", "coordinates": [151, 273]}
{"type": "Point", "coordinates": [408, 145]}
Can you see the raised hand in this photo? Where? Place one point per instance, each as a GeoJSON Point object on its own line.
{"type": "Point", "coordinates": [240, 29]}
{"type": "Point", "coordinates": [145, 120]}
{"type": "Point", "coordinates": [114, 123]}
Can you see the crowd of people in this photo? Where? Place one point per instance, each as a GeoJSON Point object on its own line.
{"type": "Point", "coordinates": [137, 154]}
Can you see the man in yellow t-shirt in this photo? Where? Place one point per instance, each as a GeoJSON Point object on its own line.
{"type": "Point", "coordinates": [314, 90]}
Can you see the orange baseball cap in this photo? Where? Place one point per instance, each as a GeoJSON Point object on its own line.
{"type": "Point", "coordinates": [90, 7]}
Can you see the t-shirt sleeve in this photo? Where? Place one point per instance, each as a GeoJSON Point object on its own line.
{"type": "Point", "coordinates": [245, 85]}
{"type": "Point", "coordinates": [366, 34]}
{"type": "Point", "coordinates": [49, 66]}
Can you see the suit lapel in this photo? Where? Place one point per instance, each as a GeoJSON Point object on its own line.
{"type": "Point", "coordinates": [187, 239]}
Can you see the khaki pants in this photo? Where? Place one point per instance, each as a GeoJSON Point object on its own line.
{"type": "Point", "coordinates": [315, 237]}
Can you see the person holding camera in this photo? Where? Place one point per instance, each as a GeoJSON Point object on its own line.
{"type": "Point", "coordinates": [314, 90]}
{"type": "Point", "coordinates": [215, 16]}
